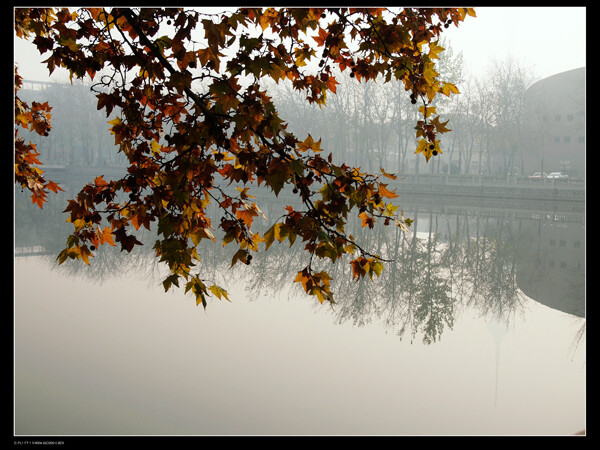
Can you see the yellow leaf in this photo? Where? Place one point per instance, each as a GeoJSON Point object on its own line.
{"type": "Point", "coordinates": [435, 50]}
{"type": "Point", "coordinates": [209, 234]}
{"type": "Point", "coordinates": [302, 277]}
{"type": "Point", "coordinates": [401, 224]}
{"type": "Point", "coordinates": [427, 110]}
{"type": "Point", "coordinates": [116, 121]}
{"type": "Point", "coordinates": [309, 143]}
{"type": "Point", "coordinates": [273, 233]}
{"type": "Point", "coordinates": [376, 267]}
{"type": "Point", "coordinates": [85, 255]}
{"type": "Point", "coordinates": [428, 149]}
{"type": "Point", "coordinates": [448, 88]}
{"type": "Point", "coordinates": [219, 292]}
{"type": "Point", "coordinates": [390, 209]}
{"type": "Point", "coordinates": [79, 224]}
{"type": "Point", "coordinates": [319, 294]}
{"type": "Point", "coordinates": [422, 145]}
{"type": "Point", "coordinates": [429, 74]}
{"type": "Point", "coordinates": [155, 147]}
{"type": "Point", "coordinates": [196, 236]}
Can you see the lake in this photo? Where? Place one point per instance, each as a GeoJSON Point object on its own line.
{"type": "Point", "coordinates": [476, 328]}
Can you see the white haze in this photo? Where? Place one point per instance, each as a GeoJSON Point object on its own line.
{"type": "Point", "coordinates": [543, 40]}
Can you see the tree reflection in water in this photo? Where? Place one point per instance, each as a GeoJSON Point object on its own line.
{"type": "Point", "coordinates": [444, 265]}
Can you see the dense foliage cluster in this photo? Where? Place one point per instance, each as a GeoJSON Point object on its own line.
{"type": "Point", "coordinates": [185, 147]}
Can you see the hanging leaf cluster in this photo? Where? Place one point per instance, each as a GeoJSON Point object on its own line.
{"type": "Point", "coordinates": [28, 174]}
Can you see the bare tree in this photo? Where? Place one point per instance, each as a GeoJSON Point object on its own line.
{"type": "Point", "coordinates": [509, 82]}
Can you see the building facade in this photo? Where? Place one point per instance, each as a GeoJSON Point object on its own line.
{"type": "Point", "coordinates": [554, 124]}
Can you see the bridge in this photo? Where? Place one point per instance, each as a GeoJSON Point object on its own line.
{"type": "Point", "coordinates": [439, 190]}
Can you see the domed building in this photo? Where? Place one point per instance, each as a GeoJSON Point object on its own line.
{"type": "Point", "coordinates": [554, 124]}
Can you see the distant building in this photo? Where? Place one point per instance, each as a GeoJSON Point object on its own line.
{"type": "Point", "coordinates": [554, 124]}
{"type": "Point", "coordinates": [551, 264]}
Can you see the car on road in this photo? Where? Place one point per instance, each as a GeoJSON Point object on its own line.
{"type": "Point", "coordinates": [558, 175]}
{"type": "Point", "coordinates": [537, 175]}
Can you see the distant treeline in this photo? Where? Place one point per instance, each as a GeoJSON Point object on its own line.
{"type": "Point", "coordinates": [370, 125]}
{"type": "Point", "coordinates": [80, 133]}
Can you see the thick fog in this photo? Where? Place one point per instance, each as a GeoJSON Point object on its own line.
{"type": "Point", "coordinates": [475, 327]}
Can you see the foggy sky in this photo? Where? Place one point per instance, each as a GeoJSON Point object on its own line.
{"type": "Point", "coordinates": [543, 40]}
{"type": "Point", "coordinates": [546, 40]}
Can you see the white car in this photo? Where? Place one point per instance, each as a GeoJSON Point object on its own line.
{"type": "Point", "coordinates": [557, 175]}
{"type": "Point", "coordinates": [537, 175]}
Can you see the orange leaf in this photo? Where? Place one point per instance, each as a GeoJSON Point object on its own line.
{"type": "Point", "coordinates": [304, 278]}
{"type": "Point", "coordinates": [388, 175]}
{"type": "Point", "coordinates": [246, 215]}
{"type": "Point", "coordinates": [54, 187]}
{"type": "Point", "coordinates": [38, 197]}
{"type": "Point", "coordinates": [331, 84]}
{"type": "Point", "coordinates": [320, 38]}
{"type": "Point", "coordinates": [100, 181]}
{"type": "Point", "coordinates": [106, 236]}
{"type": "Point", "coordinates": [384, 192]}
{"type": "Point", "coordinates": [366, 220]}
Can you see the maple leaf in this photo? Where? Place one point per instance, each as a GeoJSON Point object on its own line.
{"type": "Point", "coordinates": [219, 292]}
{"type": "Point", "coordinates": [303, 278]}
{"type": "Point", "coordinates": [429, 74]}
{"type": "Point", "coordinates": [273, 233]}
{"type": "Point", "coordinates": [435, 50]}
{"type": "Point", "coordinates": [172, 279]}
{"type": "Point", "coordinates": [366, 220]}
{"type": "Point", "coordinates": [100, 181]}
{"type": "Point", "coordinates": [279, 173]}
{"type": "Point", "coordinates": [127, 241]}
{"type": "Point", "coordinates": [428, 149]}
{"type": "Point", "coordinates": [51, 185]}
{"type": "Point", "coordinates": [309, 144]}
{"type": "Point", "coordinates": [240, 255]}
{"type": "Point", "coordinates": [38, 197]}
{"type": "Point", "coordinates": [332, 84]}
{"type": "Point", "coordinates": [359, 267]}
{"type": "Point", "coordinates": [448, 88]}
{"type": "Point", "coordinates": [105, 236]}
{"type": "Point", "coordinates": [422, 145]}
{"type": "Point", "coordinates": [246, 215]}
{"type": "Point", "coordinates": [440, 126]}
{"type": "Point", "coordinates": [426, 111]}
{"type": "Point", "coordinates": [384, 192]}
{"type": "Point", "coordinates": [388, 175]}
{"type": "Point", "coordinates": [321, 37]}
{"type": "Point", "coordinates": [180, 81]}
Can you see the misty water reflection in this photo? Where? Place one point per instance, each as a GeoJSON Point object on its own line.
{"type": "Point", "coordinates": [464, 283]}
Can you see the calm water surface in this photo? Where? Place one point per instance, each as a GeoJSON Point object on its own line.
{"type": "Point", "coordinates": [477, 328]}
